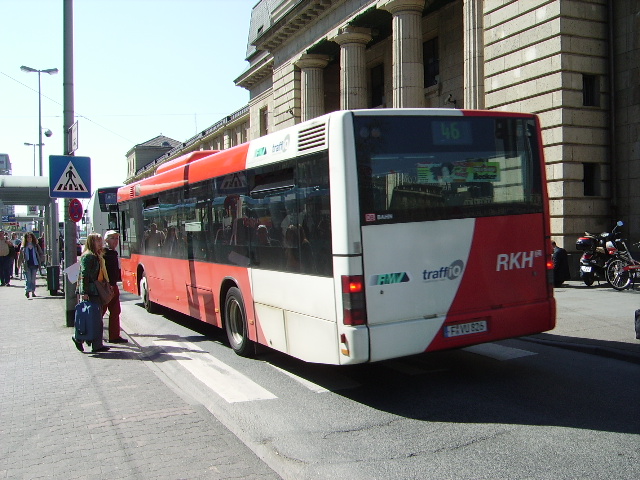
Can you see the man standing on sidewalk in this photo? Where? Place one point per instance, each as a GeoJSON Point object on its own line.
{"type": "Point", "coordinates": [112, 263]}
{"type": "Point", "coordinates": [5, 259]}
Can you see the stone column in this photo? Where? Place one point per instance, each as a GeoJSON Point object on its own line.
{"type": "Point", "coordinates": [473, 55]}
{"type": "Point", "coordinates": [408, 64]}
{"type": "Point", "coordinates": [312, 84]}
{"type": "Point", "coordinates": [227, 143]}
{"type": "Point", "coordinates": [353, 78]}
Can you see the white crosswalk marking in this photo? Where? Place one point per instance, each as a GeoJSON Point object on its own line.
{"type": "Point", "coordinates": [230, 384]}
{"type": "Point", "coordinates": [498, 352]}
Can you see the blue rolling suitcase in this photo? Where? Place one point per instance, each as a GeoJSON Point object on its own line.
{"type": "Point", "coordinates": [88, 321]}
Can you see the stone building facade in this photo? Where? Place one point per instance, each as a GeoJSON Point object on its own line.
{"type": "Point", "coordinates": [144, 159]}
{"type": "Point", "coordinates": [573, 62]}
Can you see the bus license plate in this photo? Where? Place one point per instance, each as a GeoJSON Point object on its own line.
{"type": "Point", "coordinates": [465, 328]}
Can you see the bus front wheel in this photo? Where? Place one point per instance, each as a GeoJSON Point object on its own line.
{"type": "Point", "coordinates": [236, 323]}
{"type": "Point", "coordinates": [149, 306]}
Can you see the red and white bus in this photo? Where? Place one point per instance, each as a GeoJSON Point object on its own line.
{"type": "Point", "coordinates": [354, 237]}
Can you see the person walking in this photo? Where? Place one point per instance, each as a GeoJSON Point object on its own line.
{"type": "Point", "coordinates": [6, 249]}
{"type": "Point", "coordinates": [17, 243]}
{"type": "Point", "coordinates": [30, 259]}
{"type": "Point", "coordinates": [92, 269]}
{"type": "Point", "coordinates": [112, 263]}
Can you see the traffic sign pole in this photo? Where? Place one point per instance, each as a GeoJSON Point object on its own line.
{"type": "Point", "coordinates": [69, 117]}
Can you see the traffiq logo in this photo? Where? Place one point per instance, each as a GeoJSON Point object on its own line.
{"type": "Point", "coordinates": [451, 272]}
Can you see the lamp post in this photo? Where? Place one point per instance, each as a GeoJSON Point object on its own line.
{"type": "Point", "coordinates": [34, 145]}
{"type": "Point", "coordinates": [50, 71]}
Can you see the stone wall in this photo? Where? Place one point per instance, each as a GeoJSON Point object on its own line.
{"type": "Point", "coordinates": [536, 53]}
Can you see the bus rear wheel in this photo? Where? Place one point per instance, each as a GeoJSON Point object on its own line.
{"type": "Point", "coordinates": [149, 306]}
{"type": "Point", "coordinates": [236, 323]}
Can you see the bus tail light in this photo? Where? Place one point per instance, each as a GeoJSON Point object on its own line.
{"type": "Point", "coordinates": [354, 312]}
{"type": "Point", "coordinates": [550, 271]}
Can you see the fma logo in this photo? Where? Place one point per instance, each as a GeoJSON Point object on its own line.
{"type": "Point", "coordinates": [390, 278]}
{"type": "Point", "coordinates": [451, 272]}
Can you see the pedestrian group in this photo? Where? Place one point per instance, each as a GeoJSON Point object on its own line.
{"type": "Point", "coordinates": [97, 263]}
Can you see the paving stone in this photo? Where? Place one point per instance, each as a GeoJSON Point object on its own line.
{"type": "Point", "coordinates": [71, 415]}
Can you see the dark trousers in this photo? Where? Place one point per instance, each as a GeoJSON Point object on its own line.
{"type": "Point", "coordinates": [114, 314]}
{"type": "Point", "coordinates": [5, 269]}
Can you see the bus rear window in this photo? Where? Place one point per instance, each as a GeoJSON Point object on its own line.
{"type": "Point", "coordinates": [436, 168]}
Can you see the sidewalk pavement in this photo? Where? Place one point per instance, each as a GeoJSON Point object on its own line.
{"type": "Point", "coordinates": [596, 319]}
{"type": "Point", "coordinates": [70, 415]}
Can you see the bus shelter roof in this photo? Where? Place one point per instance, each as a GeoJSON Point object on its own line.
{"type": "Point", "coordinates": [21, 190]}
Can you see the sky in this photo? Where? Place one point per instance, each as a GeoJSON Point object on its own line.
{"type": "Point", "coordinates": [142, 68]}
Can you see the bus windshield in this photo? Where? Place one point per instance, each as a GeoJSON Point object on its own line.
{"type": "Point", "coordinates": [418, 168]}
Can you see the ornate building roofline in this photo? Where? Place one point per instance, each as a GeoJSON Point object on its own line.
{"type": "Point", "coordinates": [295, 20]}
{"type": "Point", "coordinates": [256, 73]}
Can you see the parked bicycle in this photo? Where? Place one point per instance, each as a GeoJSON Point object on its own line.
{"type": "Point", "coordinates": [622, 270]}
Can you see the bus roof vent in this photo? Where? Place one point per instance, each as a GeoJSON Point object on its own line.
{"type": "Point", "coordinates": [312, 137]}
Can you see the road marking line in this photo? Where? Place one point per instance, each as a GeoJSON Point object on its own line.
{"type": "Point", "coordinates": [314, 387]}
{"type": "Point", "coordinates": [333, 382]}
{"type": "Point", "coordinates": [227, 382]}
{"type": "Point", "coordinates": [498, 352]}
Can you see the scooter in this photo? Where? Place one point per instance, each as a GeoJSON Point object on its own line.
{"type": "Point", "coordinates": [598, 250]}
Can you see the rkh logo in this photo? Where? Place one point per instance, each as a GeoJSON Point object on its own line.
{"type": "Point", "coordinates": [516, 260]}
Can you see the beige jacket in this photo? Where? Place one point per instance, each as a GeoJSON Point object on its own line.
{"type": "Point", "coordinates": [4, 248]}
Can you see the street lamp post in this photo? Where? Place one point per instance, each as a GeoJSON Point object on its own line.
{"type": "Point", "coordinates": [52, 279]}
{"type": "Point", "coordinates": [34, 145]}
{"type": "Point", "coordinates": [50, 71]}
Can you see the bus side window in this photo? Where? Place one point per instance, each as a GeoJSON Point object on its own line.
{"type": "Point", "coordinates": [313, 216]}
{"type": "Point", "coordinates": [125, 250]}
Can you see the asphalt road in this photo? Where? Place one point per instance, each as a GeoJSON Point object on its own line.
{"type": "Point", "coordinates": [560, 405]}
{"type": "Point", "coordinates": [177, 403]}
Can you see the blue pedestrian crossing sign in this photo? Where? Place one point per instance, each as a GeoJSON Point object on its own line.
{"type": "Point", "coordinates": [69, 176]}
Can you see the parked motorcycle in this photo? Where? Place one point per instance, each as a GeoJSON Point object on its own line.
{"type": "Point", "coordinates": [598, 250]}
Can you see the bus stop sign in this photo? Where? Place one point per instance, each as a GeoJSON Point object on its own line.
{"type": "Point", "coordinates": [75, 210]}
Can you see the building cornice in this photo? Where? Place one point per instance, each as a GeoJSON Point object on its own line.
{"type": "Point", "coordinates": [291, 23]}
{"type": "Point", "coordinates": [255, 73]}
